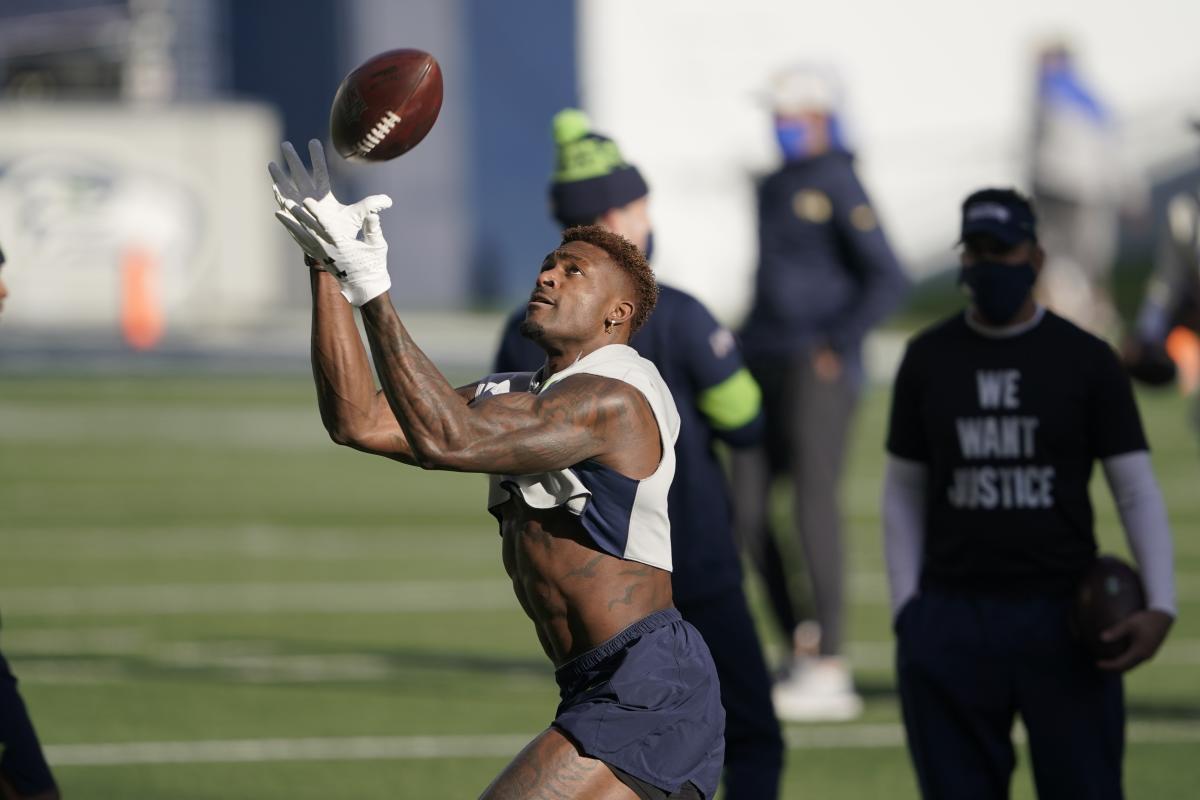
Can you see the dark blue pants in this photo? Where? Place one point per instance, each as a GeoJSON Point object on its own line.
{"type": "Point", "coordinates": [968, 664]}
{"type": "Point", "coordinates": [753, 743]}
{"type": "Point", "coordinates": [21, 762]}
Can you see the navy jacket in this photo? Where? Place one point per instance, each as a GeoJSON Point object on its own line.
{"type": "Point", "coordinates": [826, 273]}
{"type": "Point", "coordinates": [693, 353]}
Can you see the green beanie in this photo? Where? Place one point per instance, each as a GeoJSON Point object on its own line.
{"type": "Point", "coordinates": [590, 175]}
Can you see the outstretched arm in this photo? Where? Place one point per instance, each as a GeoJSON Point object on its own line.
{"type": "Point", "coordinates": [582, 417]}
{"type": "Point", "coordinates": [354, 412]}
{"type": "Point", "coordinates": [431, 424]}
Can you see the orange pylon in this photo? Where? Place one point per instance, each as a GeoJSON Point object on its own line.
{"type": "Point", "coordinates": [142, 319]}
{"type": "Point", "coordinates": [1184, 349]}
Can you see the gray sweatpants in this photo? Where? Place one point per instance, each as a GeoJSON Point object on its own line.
{"type": "Point", "coordinates": [808, 422]}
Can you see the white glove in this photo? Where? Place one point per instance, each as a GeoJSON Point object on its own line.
{"type": "Point", "coordinates": [326, 230]}
{"type": "Point", "coordinates": [291, 186]}
{"type": "Point", "coordinates": [360, 265]}
{"type": "Point", "coordinates": [314, 254]}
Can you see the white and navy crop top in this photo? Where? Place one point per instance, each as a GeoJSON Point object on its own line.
{"type": "Point", "coordinates": [626, 518]}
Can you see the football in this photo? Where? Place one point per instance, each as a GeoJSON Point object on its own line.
{"type": "Point", "coordinates": [385, 107]}
{"type": "Point", "coordinates": [1109, 592]}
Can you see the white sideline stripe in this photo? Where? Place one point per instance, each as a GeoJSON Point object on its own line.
{"type": "Point", "coordinates": [261, 598]}
{"type": "Point", "coordinates": [290, 429]}
{"type": "Point", "coordinates": [459, 542]}
{"type": "Point", "coordinates": [875, 655]}
{"type": "Point", "coordinates": [52, 641]}
{"type": "Point", "coordinates": [327, 597]}
{"type": "Point", "coordinates": [369, 748]}
{"type": "Point", "coordinates": [860, 736]}
{"type": "Point", "coordinates": [243, 662]}
{"type": "Point", "coordinates": [353, 748]}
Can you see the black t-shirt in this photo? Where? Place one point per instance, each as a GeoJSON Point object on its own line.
{"type": "Point", "coordinates": [1009, 428]}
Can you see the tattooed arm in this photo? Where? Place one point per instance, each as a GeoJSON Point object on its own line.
{"type": "Point", "coordinates": [582, 417]}
{"type": "Point", "coordinates": [354, 412]}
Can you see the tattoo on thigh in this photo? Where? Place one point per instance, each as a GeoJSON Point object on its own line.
{"type": "Point", "coordinates": [548, 776]}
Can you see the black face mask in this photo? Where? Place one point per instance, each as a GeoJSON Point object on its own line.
{"type": "Point", "coordinates": [998, 290]}
{"type": "Point", "coordinates": [649, 246]}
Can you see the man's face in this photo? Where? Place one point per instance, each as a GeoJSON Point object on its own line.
{"type": "Point", "coordinates": [578, 288]}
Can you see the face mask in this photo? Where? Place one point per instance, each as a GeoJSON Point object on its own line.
{"type": "Point", "coordinates": [649, 251]}
{"type": "Point", "coordinates": [998, 290]}
{"type": "Point", "coordinates": [795, 139]}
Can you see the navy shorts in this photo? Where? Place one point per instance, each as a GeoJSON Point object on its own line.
{"type": "Point", "coordinates": [22, 761]}
{"type": "Point", "coordinates": [648, 702]}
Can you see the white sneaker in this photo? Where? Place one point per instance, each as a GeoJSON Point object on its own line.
{"type": "Point", "coordinates": [818, 690]}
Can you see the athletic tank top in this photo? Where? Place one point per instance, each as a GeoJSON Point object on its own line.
{"type": "Point", "coordinates": [624, 517]}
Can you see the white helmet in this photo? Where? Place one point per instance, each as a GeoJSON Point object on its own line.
{"type": "Point", "coordinates": [805, 87]}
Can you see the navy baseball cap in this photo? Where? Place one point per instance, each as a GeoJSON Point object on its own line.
{"type": "Point", "coordinates": [1002, 213]}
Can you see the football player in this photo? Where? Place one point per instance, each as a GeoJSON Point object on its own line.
{"type": "Point", "coordinates": [580, 458]}
{"type": "Point", "coordinates": [717, 401]}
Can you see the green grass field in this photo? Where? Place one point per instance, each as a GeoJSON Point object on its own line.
{"type": "Point", "coordinates": [204, 598]}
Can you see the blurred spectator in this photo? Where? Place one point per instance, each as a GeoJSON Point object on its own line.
{"type": "Point", "coordinates": [717, 401]}
{"type": "Point", "coordinates": [1163, 346]}
{"type": "Point", "coordinates": [826, 275]}
{"type": "Point", "coordinates": [24, 774]}
{"type": "Point", "coordinates": [1079, 188]}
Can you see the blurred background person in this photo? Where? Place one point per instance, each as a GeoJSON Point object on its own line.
{"type": "Point", "coordinates": [1162, 347]}
{"type": "Point", "coordinates": [1079, 188]}
{"type": "Point", "coordinates": [24, 773]}
{"type": "Point", "coordinates": [825, 276]}
{"type": "Point", "coordinates": [985, 545]}
{"type": "Point", "coordinates": [718, 400]}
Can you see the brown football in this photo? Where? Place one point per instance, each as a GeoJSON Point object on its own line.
{"type": "Point", "coordinates": [384, 108]}
{"type": "Point", "coordinates": [1109, 592]}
